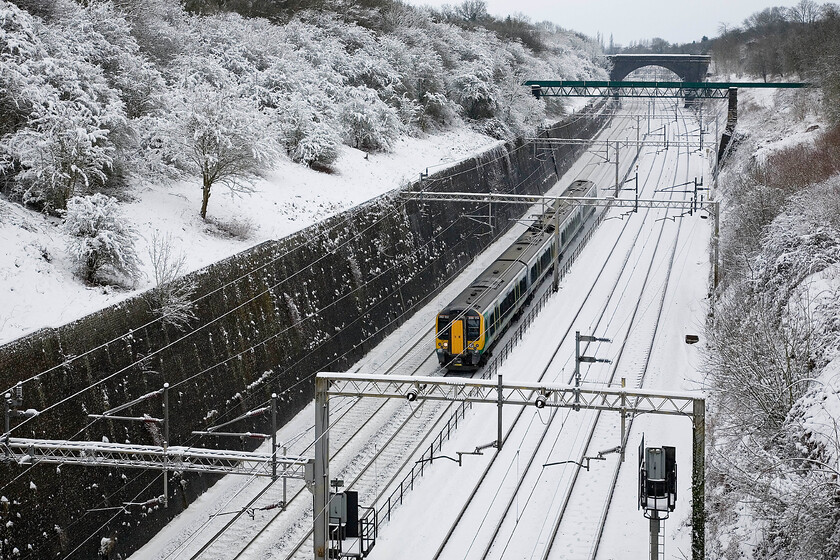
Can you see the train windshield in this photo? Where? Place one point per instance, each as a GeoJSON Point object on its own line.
{"type": "Point", "coordinates": [473, 328]}
{"type": "Point", "coordinates": [443, 326]}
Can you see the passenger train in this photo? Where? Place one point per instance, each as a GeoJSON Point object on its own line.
{"type": "Point", "coordinates": [467, 328]}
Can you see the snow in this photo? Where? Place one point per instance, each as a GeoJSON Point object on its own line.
{"type": "Point", "coordinates": [38, 289]}
{"type": "Point", "coordinates": [766, 115]}
{"type": "Point", "coordinates": [419, 525]}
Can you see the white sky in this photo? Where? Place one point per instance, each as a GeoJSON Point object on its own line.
{"type": "Point", "coordinates": [675, 21]}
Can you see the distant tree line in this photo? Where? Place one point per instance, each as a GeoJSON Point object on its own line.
{"type": "Point", "coordinates": [776, 44]}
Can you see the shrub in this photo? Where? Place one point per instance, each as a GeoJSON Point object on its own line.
{"type": "Point", "coordinates": [101, 241]}
{"type": "Point", "coordinates": [171, 298]}
{"type": "Point", "coordinates": [308, 139]}
{"type": "Point", "coordinates": [370, 124]}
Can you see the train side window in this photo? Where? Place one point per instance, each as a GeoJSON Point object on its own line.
{"type": "Point", "coordinates": [492, 323]}
{"type": "Point", "coordinates": [546, 259]}
{"type": "Point", "coordinates": [535, 272]}
{"type": "Point", "coordinates": [507, 303]}
{"type": "Point", "coordinates": [522, 284]}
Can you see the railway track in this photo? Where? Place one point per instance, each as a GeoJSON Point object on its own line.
{"type": "Point", "coordinates": [242, 509]}
{"type": "Point", "coordinates": [641, 333]}
{"type": "Point", "coordinates": [361, 481]}
{"type": "Point", "coordinates": [369, 472]}
{"type": "Point", "coordinates": [497, 529]}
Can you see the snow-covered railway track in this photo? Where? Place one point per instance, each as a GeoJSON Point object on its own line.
{"type": "Point", "coordinates": [552, 429]}
{"type": "Point", "coordinates": [577, 528]}
{"type": "Point", "coordinates": [361, 482]}
{"type": "Point", "coordinates": [350, 420]}
{"type": "Point", "coordinates": [574, 535]}
{"type": "Point", "coordinates": [375, 473]}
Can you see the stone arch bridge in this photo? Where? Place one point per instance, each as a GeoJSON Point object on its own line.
{"type": "Point", "coordinates": [689, 67]}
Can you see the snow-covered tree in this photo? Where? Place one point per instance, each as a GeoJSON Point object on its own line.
{"type": "Point", "coordinates": [101, 241]}
{"type": "Point", "coordinates": [218, 136]}
{"type": "Point", "coordinates": [62, 138]}
{"type": "Point", "coordinates": [63, 153]}
{"type": "Point", "coordinates": [308, 139]}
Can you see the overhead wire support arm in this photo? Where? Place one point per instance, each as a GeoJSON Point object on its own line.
{"type": "Point", "coordinates": [478, 451]}
{"type": "Point", "coordinates": [244, 435]}
{"type": "Point", "coordinates": [250, 414]}
{"type": "Point", "coordinates": [129, 404]}
{"type": "Point", "coordinates": [145, 418]}
{"type": "Point", "coordinates": [543, 199]}
{"type": "Point", "coordinates": [583, 463]}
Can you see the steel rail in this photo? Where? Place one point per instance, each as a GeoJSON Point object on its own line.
{"type": "Point", "coordinates": [488, 467]}
{"type": "Point", "coordinates": [558, 521]}
{"type": "Point", "coordinates": [420, 340]}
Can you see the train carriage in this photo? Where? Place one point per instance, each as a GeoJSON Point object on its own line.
{"type": "Point", "coordinates": [467, 328]}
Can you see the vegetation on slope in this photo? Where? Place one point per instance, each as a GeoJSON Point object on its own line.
{"type": "Point", "coordinates": [100, 94]}
{"type": "Point", "coordinates": [775, 341]}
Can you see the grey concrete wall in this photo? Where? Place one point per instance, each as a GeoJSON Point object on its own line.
{"type": "Point", "coordinates": [267, 320]}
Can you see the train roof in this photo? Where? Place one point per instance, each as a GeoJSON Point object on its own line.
{"type": "Point", "coordinates": [578, 188]}
{"type": "Point", "coordinates": [484, 290]}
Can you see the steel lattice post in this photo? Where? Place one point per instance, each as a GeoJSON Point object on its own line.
{"type": "Point", "coordinates": [698, 482]}
{"type": "Point", "coordinates": [322, 456]}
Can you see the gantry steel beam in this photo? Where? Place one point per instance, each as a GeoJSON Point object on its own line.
{"type": "Point", "coordinates": [499, 392]}
{"type": "Point", "coordinates": [431, 196]}
{"type": "Point", "coordinates": [636, 401]}
{"type": "Point", "coordinates": [99, 454]}
{"type": "Point", "coordinates": [691, 205]}
{"type": "Point", "coordinates": [607, 143]}
{"type": "Point", "coordinates": [698, 90]}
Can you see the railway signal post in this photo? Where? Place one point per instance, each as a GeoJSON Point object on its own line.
{"type": "Point", "coordinates": [657, 488]}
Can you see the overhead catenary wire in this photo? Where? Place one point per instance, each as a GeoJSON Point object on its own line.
{"type": "Point", "coordinates": [309, 241]}
{"type": "Point", "coordinates": [133, 402]}
{"type": "Point", "coordinates": [128, 404]}
{"type": "Point", "coordinates": [204, 325]}
{"type": "Point", "coordinates": [395, 210]}
{"type": "Point", "coordinates": [146, 357]}
{"type": "Point", "coordinates": [207, 369]}
{"type": "Point", "coordinates": [555, 354]}
{"type": "Point", "coordinates": [177, 384]}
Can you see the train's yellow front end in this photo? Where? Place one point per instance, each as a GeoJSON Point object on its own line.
{"type": "Point", "coordinates": [460, 340]}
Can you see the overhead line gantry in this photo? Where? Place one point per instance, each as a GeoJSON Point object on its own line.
{"type": "Point", "coordinates": [696, 90]}
{"type": "Point", "coordinates": [501, 393]}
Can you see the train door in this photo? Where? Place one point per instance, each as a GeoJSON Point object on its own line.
{"type": "Point", "coordinates": [457, 337]}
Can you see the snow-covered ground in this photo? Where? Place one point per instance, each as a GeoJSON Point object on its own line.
{"type": "Point", "coordinates": [416, 529]}
{"type": "Point", "coordinates": [37, 285]}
